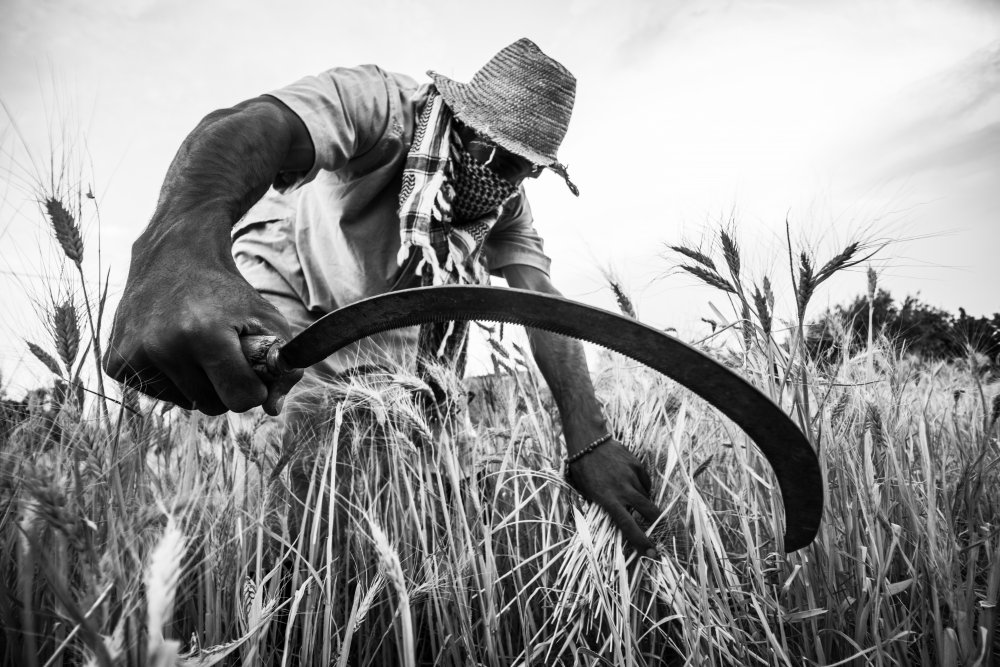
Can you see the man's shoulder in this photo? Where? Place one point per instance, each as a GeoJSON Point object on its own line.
{"type": "Point", "coordinates": [369, 76]}
{"type": "Point", "coordinates": [349, 111]}
{"type": "Point", "coordinates": [366, 95]}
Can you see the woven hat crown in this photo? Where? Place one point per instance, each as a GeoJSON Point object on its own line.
{"type": "Point", "coordinates": [521, 99]}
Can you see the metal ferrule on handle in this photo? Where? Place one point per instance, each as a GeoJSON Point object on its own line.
{"type": "Point", "coordinates": [264, 355]}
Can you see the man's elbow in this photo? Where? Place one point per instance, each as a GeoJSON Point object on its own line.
{"type": "Point", "coordinates": [268, 119]}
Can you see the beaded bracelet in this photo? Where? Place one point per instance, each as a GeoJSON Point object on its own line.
{"type": "Point", "coordinates": [588, 449]}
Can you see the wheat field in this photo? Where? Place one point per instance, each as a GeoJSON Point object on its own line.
{"type": "Point", "coordinates": [135, 535]}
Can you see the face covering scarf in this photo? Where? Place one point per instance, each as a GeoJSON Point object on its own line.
{"type": "Point", "coordinates": [478, 189]}
{"type": "Point", "coordinates": [447, 243]}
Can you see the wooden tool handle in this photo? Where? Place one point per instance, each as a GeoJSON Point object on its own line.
{"type": "Point", "coordinates": [264, 355]}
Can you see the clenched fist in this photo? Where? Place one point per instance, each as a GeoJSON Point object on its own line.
{"type": "Point", "coordinates": [176, 333]}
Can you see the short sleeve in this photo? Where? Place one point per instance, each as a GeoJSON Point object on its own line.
{"type": "Point", "coordinates": [346, 111]}
{"type": "Point", "coordinates": [514, 240]}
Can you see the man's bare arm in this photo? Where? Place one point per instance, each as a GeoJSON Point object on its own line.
{"type": "Point", "coordinates": [609, 475]}
{"type": "Point", "coordinates": [185, 305]}
{"type": "Point", "coordinates": [229, 160]}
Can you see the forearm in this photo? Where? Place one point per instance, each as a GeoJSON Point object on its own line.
{"type": "Point", "coordinates": [564, 366]}
{"type": "Point", "coordinates": [223, 167]}
{"type": "Point", "coordinates": [610, 475]}
{"type": "Point", "coordinates": [177, 329]}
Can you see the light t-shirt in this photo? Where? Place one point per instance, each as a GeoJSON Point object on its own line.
{"type": "Point", "coordinates": [329, 237]}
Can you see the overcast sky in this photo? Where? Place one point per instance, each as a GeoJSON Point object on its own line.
{"type": "Point", "coordinates": [870, 118]}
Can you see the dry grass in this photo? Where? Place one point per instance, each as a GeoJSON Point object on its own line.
{"type": "Point", "coordinates": [160, 538]}
{"type": "Point", "coordinates": [414, 563]}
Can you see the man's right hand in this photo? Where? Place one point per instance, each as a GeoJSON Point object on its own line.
{"type": "Point", "coordinates": [176, 334]}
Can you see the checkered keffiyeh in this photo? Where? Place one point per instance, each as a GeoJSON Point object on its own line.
{"type": "Point", "coordinates": [450, 252]}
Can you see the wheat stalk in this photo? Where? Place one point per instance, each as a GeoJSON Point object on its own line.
{"type": "Point", "coordinates": [760, 302]}
{"type": "Point", "coordinates": [621, 296]}
{"type": "Point", "coordinates": [746, 327]}
{"type": "Point", "coordinates": [47, 359]}
{"type": "Point", "coordinates": [248, 592]}
{"type": "Point", "coordinates": [392, 570]}
{"type": "Point", "coordinates": [768, 293]}
{"type": "Point", "coordinates": [873, 422]}
{"type": "Point", "coordinates": [66, 229]}
{"type": "Point", "coordinates": [709, 277]}
{"type": "Point", "coordinates": [163, 572]}
{"type": "Point", "coordinates": [624, 302]}
{"type": "Point", "coordinates": [807, 284]}
{"type": "Point", "coordinates": [697, 256]}
{"type": "Point", "coordinates": [732, 254]}
{"type": "Point", "coordinates": [70, 239]}
{"type": "Point", "coordinates": [66, 331]}
{"type": "Point", "coordinates": [840, 407]}
{"type": "Point", "coordinates": [369, 598]}
{"type": "Point", "coordinates": [837, 262]}
{"type": "Point", "coordinates": [130, 401]}
{"type": "Point", "coordinates": [872, 284]}
{"type": "Point", "coordinates": [810, 278]}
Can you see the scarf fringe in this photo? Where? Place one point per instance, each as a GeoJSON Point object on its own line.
{"type": "Point", "coordinates": [448, 254]}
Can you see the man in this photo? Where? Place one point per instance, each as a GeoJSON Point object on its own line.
{"type": "Point", "coordinates": [378, 184]}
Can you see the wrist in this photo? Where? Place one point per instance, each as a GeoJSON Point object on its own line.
{"type": "Point", "coordinates": [573, 458]}
{"type": "Point", "coordinates": [203, 233]}
{"type": "Point", "coordinates": [581, 430]}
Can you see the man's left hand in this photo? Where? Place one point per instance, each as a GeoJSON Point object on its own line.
{"type": "Point", "coordinates": [615, 479]}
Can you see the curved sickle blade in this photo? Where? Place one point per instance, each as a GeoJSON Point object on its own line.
{"type": "Point", "coordinates": [787, 450]}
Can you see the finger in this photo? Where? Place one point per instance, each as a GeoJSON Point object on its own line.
{"type": "Point", "coordinates": [274, 324]}
{"type": "Point", "coordinates": [647, 483]}
{"type": "Point", "coordinates": [646, 507]}
{"type": "Point", "coordinates": [148, 380]}
{"type": "Point", "coordinates": [162, 389]}
{"type": "Point", "coordinates": [277, 391]}
{"type": "Point", "coordinates": [236, 384]}
{"type": "Point", "coordinates": [131, 366]}
{"type": "Point", "coordinates": [631, 531]}
{"type": "Point", "coordinates": [196, 388]}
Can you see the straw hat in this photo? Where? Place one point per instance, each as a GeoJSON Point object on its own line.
{"type": "Point", "coordinates": [521, 99]}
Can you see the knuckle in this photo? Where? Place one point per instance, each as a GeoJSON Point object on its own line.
{"type": "Point", "coordinates": [187, 329]}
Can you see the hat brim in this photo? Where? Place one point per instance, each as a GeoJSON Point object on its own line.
{"type": "Point", "coordinates": [465, 103]}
